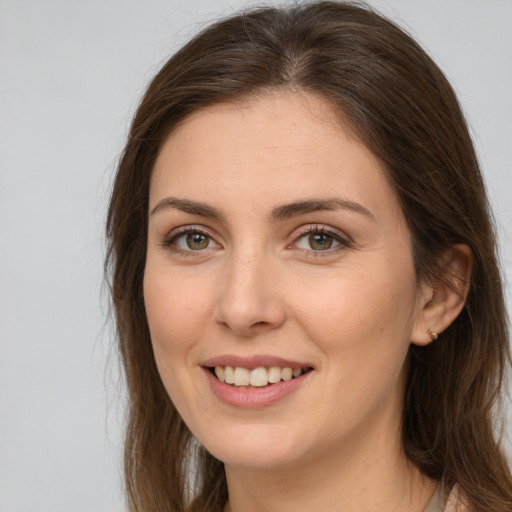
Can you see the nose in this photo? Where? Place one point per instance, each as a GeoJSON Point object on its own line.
{"type": "Point", "coordinates": [249, 301]}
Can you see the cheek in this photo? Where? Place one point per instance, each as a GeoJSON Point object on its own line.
{"type": "Point", "coordinates": [361, 324]}
{"type": "Point", "coordinates": [177, 315]}
{"type": "Point", "coordinates": [177, 311]}
{"type": "Point", "coordinates": [364, 318]}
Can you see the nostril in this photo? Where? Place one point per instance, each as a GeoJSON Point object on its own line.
{"type": "Point", "coordinates": [260, 324]}
{"type": "Point", "coordinates": [251, 318]}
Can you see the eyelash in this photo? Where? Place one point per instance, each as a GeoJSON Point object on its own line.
{"type": "Point", "coordinates": [343, 241]}
{"type": "Point", "coordinates": [311, 230]}
{"type": "Point", "coordinates": [170, 241]}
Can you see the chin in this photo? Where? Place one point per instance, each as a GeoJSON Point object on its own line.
{"type": "Point", "coordinates": [255, 447]}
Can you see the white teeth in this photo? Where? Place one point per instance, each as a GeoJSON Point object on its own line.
{"type": "Point", "coordinates": [241, 376]}
{"type": "Point", "coordinates": [256, 377]}
{"type": "Point", "coordinates": [286, 374]}
{"type": "Point", "coordinates": [219, 371]}
{"type": "Point", "coordinates": [274, 374]}
{"type": "Point", "coordinates": [229, 375]}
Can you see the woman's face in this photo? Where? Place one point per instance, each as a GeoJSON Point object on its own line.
{"type": "Point", "coordinates": [275, 247]}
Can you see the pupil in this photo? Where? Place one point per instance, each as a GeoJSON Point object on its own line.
{"type": "Point", "coordinates": [320, 241]}
{"type": "Point", "coordinates": [197, 241]}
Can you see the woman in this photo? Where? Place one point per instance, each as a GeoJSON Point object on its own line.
{"type": "Point", "coordinates": [304, 274]}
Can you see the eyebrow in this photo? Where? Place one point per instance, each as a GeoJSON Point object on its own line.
{"type": "Point", "coordinates": [314, 205]}
{"type": "Point", "coordinates": [283, 212]}
{"type": "Point", "coordinates": [188, 206]}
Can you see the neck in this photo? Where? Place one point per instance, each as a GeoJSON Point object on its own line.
{"type": "Point", "coordinates": [371, 474]}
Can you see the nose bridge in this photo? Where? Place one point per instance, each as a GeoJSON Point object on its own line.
{"type": "Point", "coordinates": [249, 301]}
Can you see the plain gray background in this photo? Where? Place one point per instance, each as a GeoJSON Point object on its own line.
{"type": "Point", "coordinates": [71, 73]}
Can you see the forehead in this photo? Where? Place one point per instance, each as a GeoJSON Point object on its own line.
{"type": "Point", "coordinates": [277, 146]}
{"type": "Point", "coordinates": [270, 118]}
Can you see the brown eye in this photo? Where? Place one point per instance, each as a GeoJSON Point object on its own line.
{"type": "Point", "coordinates": [197, 241]}
{"type": "Point", "coordinates": [191, 241]}
{"type": "Point", "coordinates": [320, 241]}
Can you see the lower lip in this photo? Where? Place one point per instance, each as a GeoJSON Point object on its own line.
{"type": "Point", "coordinates": [253, 397]}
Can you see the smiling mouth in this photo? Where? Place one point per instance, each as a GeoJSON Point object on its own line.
{"type": "Point", "coordinates": [256, 377]}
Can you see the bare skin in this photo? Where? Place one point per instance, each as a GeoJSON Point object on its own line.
{"type": "Point", "coordinates": [273, 233]}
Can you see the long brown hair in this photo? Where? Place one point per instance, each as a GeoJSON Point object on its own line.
{"type": "Point", "coordinates": [399, 104]}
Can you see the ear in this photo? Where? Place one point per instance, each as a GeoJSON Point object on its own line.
{"type": "Point", "coordinates": [441, 301]}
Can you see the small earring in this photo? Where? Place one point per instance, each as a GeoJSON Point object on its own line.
{"type": "Point", "coordinates": [433, 335]}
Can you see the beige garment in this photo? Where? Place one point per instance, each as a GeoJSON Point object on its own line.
{"type": "Point", "coordinates": [440, 503]}
{"type": "Point", "coordinates": [454, 502]}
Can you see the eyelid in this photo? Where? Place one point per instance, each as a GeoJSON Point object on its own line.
{"type": "Point", "coordinates": [170, 238]}
{"type": "Point", "coordinates": [339, 236]}
{"type": "Point", "coordinates": [308, 229]}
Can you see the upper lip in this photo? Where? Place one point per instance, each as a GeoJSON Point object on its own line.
{"type": "Point", "coordinates": [254, 362]}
